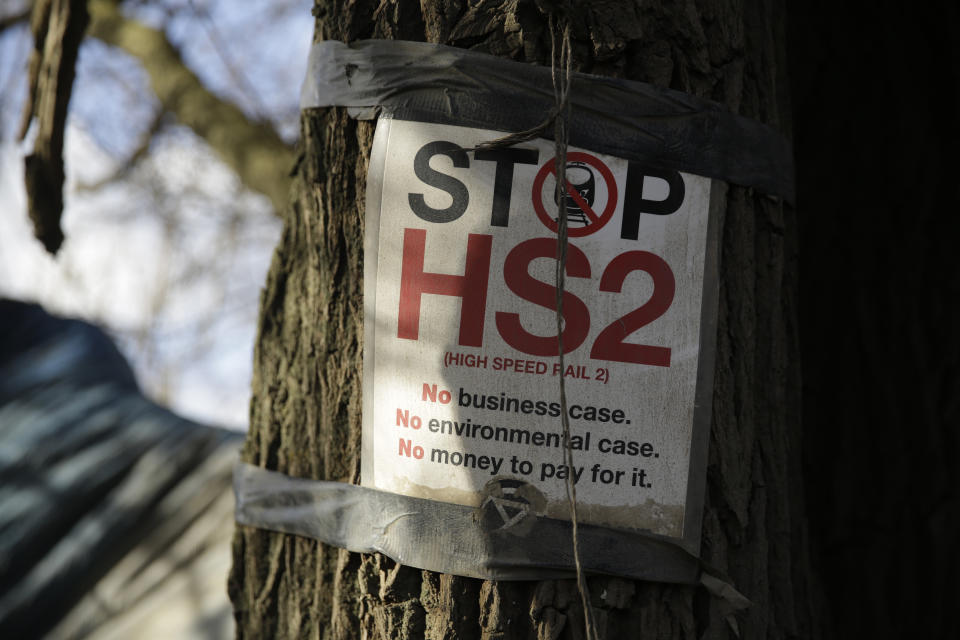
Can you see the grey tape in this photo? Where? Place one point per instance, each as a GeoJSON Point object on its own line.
{"type": "Point", "coordinates": [663, 128]}
{"type": "Point", "coordinates": [449, 538]}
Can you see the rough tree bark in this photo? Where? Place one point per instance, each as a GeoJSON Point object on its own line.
{"type": "Point", "coordinates": [305, 417]}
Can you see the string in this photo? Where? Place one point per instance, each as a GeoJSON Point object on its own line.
{"type": "Point", "coordinates": [562, 72]}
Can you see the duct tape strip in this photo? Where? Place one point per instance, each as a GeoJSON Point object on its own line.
{"type": "Point", "coordinates": [449, 538]}
{"type": "Point", "coordinates": [435, 83]}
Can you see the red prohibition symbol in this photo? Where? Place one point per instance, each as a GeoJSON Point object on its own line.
{"type": "Point", "coordinates": [579, 200]}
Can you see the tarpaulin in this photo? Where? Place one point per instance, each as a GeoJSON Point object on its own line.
{"type": "Point", "coordinates": [450, 538]}
{"type": "Point", "coordinates": [663, 128]}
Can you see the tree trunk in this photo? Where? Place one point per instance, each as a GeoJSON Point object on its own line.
{"type": "Point", "coordinates": [305, 417]}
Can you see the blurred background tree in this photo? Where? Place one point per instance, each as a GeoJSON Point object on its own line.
{"type": "Point", "coordinates": [178, 149]}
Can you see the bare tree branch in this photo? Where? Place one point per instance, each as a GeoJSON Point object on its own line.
{"type": "Point", "coordinates": [261, 159]}
{"type": "Point", "coordinates": [58, 27]}
{"type": "Point", "coordinates": [14, 19]}
{"type": "Point", "coordinates": [156, 125]}
{"type": "Point", "coordinates": [220, 48]}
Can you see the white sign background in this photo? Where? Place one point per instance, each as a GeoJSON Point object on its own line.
{"type": "Point", "coordinates": [633, 469]}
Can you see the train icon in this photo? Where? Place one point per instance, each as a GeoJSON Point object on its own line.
{"type": "Point", "coordinates": [580, 178]}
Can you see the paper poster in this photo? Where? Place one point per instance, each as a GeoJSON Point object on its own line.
{"type": "Point", "coordinates": [461, 372]}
